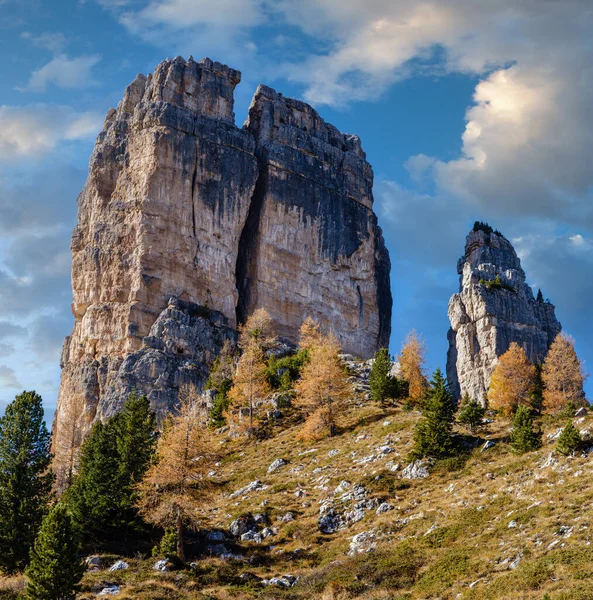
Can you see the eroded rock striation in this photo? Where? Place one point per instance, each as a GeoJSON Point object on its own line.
{"type": "Point", "coordinates": [188, 223]}
{"type": "Point", "coordinates": [493, 308]}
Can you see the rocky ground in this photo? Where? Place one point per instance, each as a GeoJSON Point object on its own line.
{"type": "Point", "coordinates": [350, 517]}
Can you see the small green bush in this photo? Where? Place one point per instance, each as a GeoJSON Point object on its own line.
{"type": "Point", "coordinates": [523, 436]}
{"type": "Point", "coordinates": [570, 440]}
{"type": "Point", "coordinates": [281, 373]}
{"type": "Point", "coordinates": [496, 284]}
{"type": "Point", "coordinates": [471, 413]}
{"type": "Point", "coordinates": [167, 548]}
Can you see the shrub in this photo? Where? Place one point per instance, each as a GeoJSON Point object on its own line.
{"type": "Point", "coordinates": [570, 440]}
{"type": "Point", "coordinates": [281, 373]}
{"type": "Point", "coordinates": [471, 413]}
{"type": "Point", "coordinates": [167, 547]}
{"type": "Point", "coordinates": [523, 436]}
{"type": "Point", "coordinates": [497, 284]}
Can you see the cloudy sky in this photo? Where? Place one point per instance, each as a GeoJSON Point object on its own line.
{"type": "Point", "coordinates": [467, 111]}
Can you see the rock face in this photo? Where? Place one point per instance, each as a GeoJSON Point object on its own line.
{"type": "Point", "coordinates": [493, 308]}
{"type": "Point", "coordinates": [188, 223]}
{"type": "Point", "coordinates": [312, 245]}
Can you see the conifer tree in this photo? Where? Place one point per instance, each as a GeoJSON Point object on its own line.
{"type": "Point", "coordinates": [176, 484]}
{"type": "Point", "coordinates": [432, 435]}
{"type": "Point", "coordinates": [95, 494]}
{"type": "Point", "coordinates": [136, 442]}
{"type": "Point", "coordinates": [569, 440]}
{"type": "Point", "coordinates": [324, 385]}
{"type": "Point", "coordinates": [250, 383]}
{"type": "Point", "coordinates": [513, 381]}
{"type": "Point", "coordinates": [540, 297]}
{"type": "Point", "coordinates": [221, 380]}
{"type": "Point", "coordinates": [562, 375]}
{"type": "Point", "coordinates": [56, 568]}
{"type": "Point", "coordinates": [524, 437]}
{"type": "Point", "coordinates": [471, 413]}
{"type": "Point", "coordinates": [411, 361]}
{"type": "Point", "coordinates": [380, 381]}
{"type": "Point", "coordinates": [25, 478]}
{"type": "Point", "coordinates": [113, 459]}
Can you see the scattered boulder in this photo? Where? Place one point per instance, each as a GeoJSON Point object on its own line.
{"type": "Point", "coordinates": [251, 487]}
{"type": "Point", "coordinates": [161, 565]}
{"type": "Point", "coordinates": [287, 518]}
{"type": "Point", "coordinates": [120, 565]}
{"type": "Point", "coordinates": [487, 445]}
{"type": "Point", "coordinates": [111, 590]}
{"type": "Point", "coordinates": [362, 542]}
{"type": "Point", "coordinates": [242, 525]}
{"type": "Point", "coordinates": [286, 581]}
{"type": "Point", "coordinates": [383, 508]}
{"type": "Point", "coordinates": [330, 521]}
{"type": "Point", "coordinates": [417, 469]}
{"type": "Point", "coordinates": [277, 464]}
{"type": "Point", "coordinates": [252, 536]}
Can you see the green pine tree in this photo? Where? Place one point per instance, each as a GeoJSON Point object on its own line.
{"type": "Point", "coordinates": [523, 435]}
{"type": "Point", "coordinates": [25, 478]}
{"type": "Point", "coordinates": [136, 441]}
{"type": "Point", "coordinates": [379, 379]}
{"type": "Point", "coordinates": [432, 435]}
{"type": "Point", "coordinates": [112, 460]}
{"type": "Point", "coordinates": [570, 440]}
{"type": "Point", "coordinates": [94, 496]}
{"type": "Point", "coordinates": [220, 405]}
{"type": "Point", "coordinates": [56, 568]}
{"type": "Point", "coordinates": [471, 413]}
{"type": "Point", "coordinates": [540, 297]}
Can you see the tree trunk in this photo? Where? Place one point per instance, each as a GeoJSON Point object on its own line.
{"type": "Point", "coordinates": [180, 552]}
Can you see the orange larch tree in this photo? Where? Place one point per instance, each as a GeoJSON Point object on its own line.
{"type": "Point", "coordinates": [411, 360]}
{"type": "Point", "coordinates": [513, 381]}
{"type": "Point", "coordinates": [323, 386]}
{"type": "Point", "coordinates": [562, 376]}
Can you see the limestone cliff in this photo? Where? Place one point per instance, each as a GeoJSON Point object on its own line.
{"type": "Point", "coordinates": [187, 223]}
{"type": "Point", "coordinates": [313, 247]}
{"type": "Point", "coordinates": [493, 308]}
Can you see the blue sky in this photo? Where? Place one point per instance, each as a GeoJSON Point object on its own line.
{"type": "Point", "coordinates": [467, 111]}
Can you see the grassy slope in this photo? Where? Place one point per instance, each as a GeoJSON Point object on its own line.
{"type": "Point", "coordinates": [445, 532]}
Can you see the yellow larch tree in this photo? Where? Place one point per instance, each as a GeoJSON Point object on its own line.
{"type": "Point", "coordinates": [513, 381]}
{"type": "Point", "coordinates": [176, 485]}
{"type": "Point", "coordinates": [250, 384]}
{"type": "Point", "coordinates": [562, 376]}
{"type": "Point", "coordinates": [323, 387]}
{"type": "Point", "coordinates": [411, 361]}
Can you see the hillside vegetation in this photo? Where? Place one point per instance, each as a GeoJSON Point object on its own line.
{"type": "Point", "coordinates": [487, 524]}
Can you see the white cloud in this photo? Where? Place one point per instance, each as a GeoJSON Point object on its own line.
{"type": "Point", "coordinates": [52, 41]}
{"type": "Point", "coordinates": [199, 27]}
{"type": "Point", "coordinates": [8, 378]}
{"type": "Point", "coordinates": [64, 72]}
{"type": "Point", "coordinates": [35, 130]}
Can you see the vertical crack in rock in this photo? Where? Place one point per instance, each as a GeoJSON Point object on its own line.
{"type": "Point", "coordinates": [281, 217]}
{"type": "Point", "coordinates": [247, 259]}
{"type": "Point", "coordinates": [494, 307]}
{"type": "Point", "coordinates": [193, 191]}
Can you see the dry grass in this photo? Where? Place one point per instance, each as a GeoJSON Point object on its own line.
{"type": "Point", "coordinates": [447, 537]}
